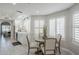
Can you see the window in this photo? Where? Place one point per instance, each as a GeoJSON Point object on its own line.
{"type": "Point", "coordinates": [38, 27]}
{"type": "Point", "coordinates": [60, 26]}
{"type": "Point", "coordinates": [52, 27]}
{"type": "Point", "coordinates": [76, 27]}
{"type": "Point", "coordinates": [56, 26]}
{"type": "Point", "coordinates": [6, 28]}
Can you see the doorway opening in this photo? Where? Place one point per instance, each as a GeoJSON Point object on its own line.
{"type": "Point", "coordinates": [6, 29]}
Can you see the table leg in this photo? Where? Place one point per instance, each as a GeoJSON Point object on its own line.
{"type": "Point", "coordinates": [39, 50]}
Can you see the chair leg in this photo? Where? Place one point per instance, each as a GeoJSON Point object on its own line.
{"type": "Point", "coordinates": [59, 50]}
{"type": "Point", "coordinates": [28, 51]}
{"type": "Point", "coordinates": [54, 52]}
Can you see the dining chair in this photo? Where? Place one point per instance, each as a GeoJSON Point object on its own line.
{"type": "Point", "coordinates": [49, 46]}
{"type": "Point", "coordinates": [32, 45]}
{"type": "Point", "coordinates": [58, 43]}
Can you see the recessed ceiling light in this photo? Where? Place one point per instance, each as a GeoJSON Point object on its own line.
{"type": "Point", "coordinates": [14, 3]}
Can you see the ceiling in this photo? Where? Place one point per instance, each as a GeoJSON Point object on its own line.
{"type": "Point", "coordinates": [9, 9]}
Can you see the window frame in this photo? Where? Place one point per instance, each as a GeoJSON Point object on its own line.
{"type": "Point", "coordinates": [39, 27]}
{"type": "Point", "coordinates": [55, 18]}
{"type": "Point", "coordinates": [73, 28]}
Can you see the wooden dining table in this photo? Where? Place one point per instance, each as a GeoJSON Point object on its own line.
{"type": "Point", "coordinates": [41, 42]}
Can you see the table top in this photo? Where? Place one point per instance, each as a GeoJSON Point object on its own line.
{"type": "Point", "coordinates": [39, 40]}
{"type": "Point", "coordinates": [51, 38]}
{"type": "Point", "coordinates": [42, 40]}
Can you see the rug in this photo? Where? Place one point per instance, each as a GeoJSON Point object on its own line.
{"type": "Point", "coordinates": [16, 43]}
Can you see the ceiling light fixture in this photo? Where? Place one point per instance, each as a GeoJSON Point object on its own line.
{"type": "Point", "coordinates": [14, 3]}
{"type": "Point", "coordinates": [20, 11]}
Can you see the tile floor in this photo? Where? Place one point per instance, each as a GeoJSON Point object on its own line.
{"type": "Point", "coordinates": [6, 48]}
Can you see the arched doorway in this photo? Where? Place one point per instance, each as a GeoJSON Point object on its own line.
{"type": "Point", "coordinates": [6, 29]}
